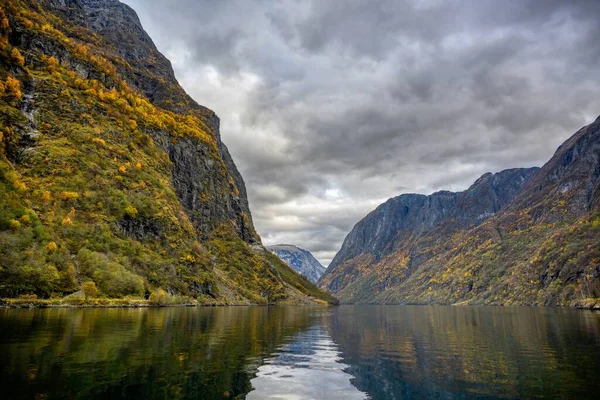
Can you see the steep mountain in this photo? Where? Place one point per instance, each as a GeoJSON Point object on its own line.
{"type": "Point", "coordinates": [521, 236]}
{"type": "Point", "coordinates": [301, 261]}
{"type": "Point", "coordinates": [111, 173]}
{"type": "Point", "coordinates": [410, 217]}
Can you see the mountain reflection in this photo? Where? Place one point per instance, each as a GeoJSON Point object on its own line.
{"type": "Point", "coordinates": [168, 353]}
{"type": "Point", "coordinates": [346, 352]}
{"type": "Point", "coordinates": [404, 352]}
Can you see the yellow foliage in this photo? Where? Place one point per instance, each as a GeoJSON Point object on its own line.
{"type": "Point", "coordinates": [46, 196]}
{"type": "Point", "coordinates": [158, 297]}
{"type": "Point", "coordinates": [138, 165]}
{"type": "Point", "coordinates": [100, 142]}
{"type": "Point", "coordinates": [66, 222]}
{"type": "Point", "coordinates": [51, 247]}
{"type": "Point", "coordinates": [122, 169]}
{"type": "Point", "coordinates": [14, 224]}
{"type": "Point", "coordinates": [25, 219]}
{"type": "Point", "coordinates": [69, 196]}
{"type": "Point", "coordinates": [188, 258]}
{"type": "Point", "coordinates": [131, 211]}
{"type": "Point", "coordinates": [89, 289]}
{"type": "Point", "coordinates": [20, 186]}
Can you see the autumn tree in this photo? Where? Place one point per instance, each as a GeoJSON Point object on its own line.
{"type": "Point", "coordinates": [12, 87]}
{"type": "Point", "coordinates": [89, 289]}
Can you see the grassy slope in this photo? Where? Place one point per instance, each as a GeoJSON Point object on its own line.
{"type": "Point", "coordinates": [68, 198]}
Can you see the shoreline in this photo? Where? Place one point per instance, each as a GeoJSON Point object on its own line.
{"type": "Point", "coordinates": [588, 304]}
{"type": "Point", "coordinates": [10, 303]}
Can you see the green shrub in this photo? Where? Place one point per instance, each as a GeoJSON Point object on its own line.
{"type": "Point", "coordinates": [112, 278]}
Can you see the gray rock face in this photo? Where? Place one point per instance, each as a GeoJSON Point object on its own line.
{"type": "Point", "coordinates": [206, 181]}
{"type": "Point", "coordinates": [203, 187]}
{"type": "Point", "coordinates": [402, 216]}
{"type": "Point", "coordinates": [572, 176]}
{"type": "Point", "coordinates": [300, 260]}
{"type": "Point", "coordinates": [410, 216]}
{"type": "Point", "coordinates": [488, 195]}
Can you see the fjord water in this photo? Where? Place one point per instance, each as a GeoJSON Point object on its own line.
{"type": "Point", "coordinates": [349, 352]}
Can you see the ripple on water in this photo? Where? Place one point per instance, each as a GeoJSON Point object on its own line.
{"type": "Point", "coordinates": [309, 367]}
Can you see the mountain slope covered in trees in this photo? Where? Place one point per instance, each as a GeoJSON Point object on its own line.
{"type": "Point", "coordinates": [110, 173]}
{"type": "Point", "coordinates": [521, 236]}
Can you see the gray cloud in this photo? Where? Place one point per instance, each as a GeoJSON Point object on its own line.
{"type": "Point", "coordinates": [331, 107]}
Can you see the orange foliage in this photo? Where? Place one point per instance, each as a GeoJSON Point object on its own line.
{"type": "Point", "coordinates": [52, 63]}
{"type": "Point", "coordinates": [12, 87]}
{"type": "Point", "coordinates": [17, 58]}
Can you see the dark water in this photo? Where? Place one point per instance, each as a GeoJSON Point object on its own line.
{"type": "Point", "coordinates": [377, 352]}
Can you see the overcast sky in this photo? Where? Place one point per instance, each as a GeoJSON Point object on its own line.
{"type": "Point", "coordinates": [330, 107]}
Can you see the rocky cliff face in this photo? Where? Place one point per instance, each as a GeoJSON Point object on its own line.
{"type": "Point", "coordinates": [301, 261]}
{"type": "Point", "coordinates": [111, 173]}
{"type": "Point", "coordinates": [399, 218]}
{"type": "Point", "coordinates": [521, 236]}
{"type": "Point", "coordinates": [209, 186]}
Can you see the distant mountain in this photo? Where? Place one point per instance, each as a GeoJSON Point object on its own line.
{"type": "Point", "coordinates": [520, 236]}
{"type": "Point", "coordinates": [302, 261]}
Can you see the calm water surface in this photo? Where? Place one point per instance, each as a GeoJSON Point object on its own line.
{"type": "Point", "coordinates": [347, 352]}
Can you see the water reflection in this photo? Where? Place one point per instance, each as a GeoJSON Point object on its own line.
{"type": "Point", "coordinates": [400, 352]}
{"type": "Point", "coordinates": [170, 353]}
{"type": "Point", "coordinates": [376, 352]}
{"type": "Point", "coordinates": [307, 368]}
